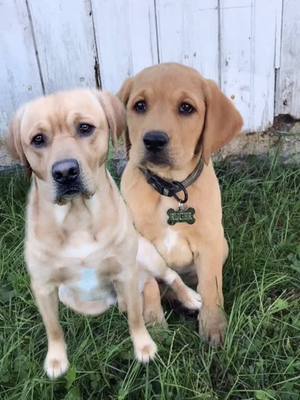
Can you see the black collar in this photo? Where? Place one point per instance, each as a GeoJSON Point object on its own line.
{"type": "Point", "coordinates": [171, 188]}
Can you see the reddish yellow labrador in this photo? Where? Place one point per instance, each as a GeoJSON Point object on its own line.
{"type": "Point", "coordinates": [176, 120]}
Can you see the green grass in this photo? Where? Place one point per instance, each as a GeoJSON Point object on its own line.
{"type": "Point", "coordinates": [261, 356]}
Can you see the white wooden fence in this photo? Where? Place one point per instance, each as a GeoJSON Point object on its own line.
{"type": "Point", "coordinates": [250, 47]}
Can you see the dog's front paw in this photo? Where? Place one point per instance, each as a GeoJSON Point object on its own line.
{"type": "Point", "coordinates": [191, 299]}
{"type": "Point", "coordinates": [145, 348]}
{"type": "Point", "coordinates": [212, 325]}
{"type": "Point", "coordinates": [56, 362]}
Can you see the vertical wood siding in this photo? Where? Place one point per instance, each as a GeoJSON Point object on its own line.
{"type": "Point", "coordinates": [251, 48]}
{"type": "Point", "coordinates": [126, 38]}
{"type": "Point", "coordinates": [65, 44]}
{"type": "Point", "coordinates": [247, 58]}
{"type": "Point", "coordinates": [187, 32]}
{"type": "Point", "coordinates": [19, 73]}
{"type": "Point", "coordinates": [288, 90]}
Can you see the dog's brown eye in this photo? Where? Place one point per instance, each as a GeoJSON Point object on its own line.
{"type": "Point", "coordinates": [186, 109]}
{"type": "Point", "coordinates": [39, 140]}
{"type": "Point", "coordinates": [140, 106]}
{"type": "Point", "coordinates": [85, 129]}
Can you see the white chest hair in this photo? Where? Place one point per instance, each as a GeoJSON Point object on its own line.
{"type": "Point", "coordinates": [60, 213]}
{"type": "Point", "coordinates": [81, 243]}
{"type": "Point", "coordinates": [170, 239]}
{"type": "Point", "coordinates": [80, 249]}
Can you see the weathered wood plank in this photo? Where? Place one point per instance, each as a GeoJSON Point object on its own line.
{"type": "Point", "coordinates": [188, 34]}
{"type": "Point", "coordinates": [126, 38]}
{"type": "Point", "coordinates": [239, 46]}
{"type": "Point", "coordinates": [264, 20]}
{"type": "Point", "coordinates": [288, 88]}
{"type": "Point", "coordinates": [278, 22]}
{"type": "Point", "coordinates": [20, 80]}
{"type": "Point", "coordinates": [247, 58]}
{"type": "Point", "coordinates": [65, 42]}
{"type": "Point", "coordinates": [235, 47]}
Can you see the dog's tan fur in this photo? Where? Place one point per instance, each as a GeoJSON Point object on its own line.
{"type": "Point", "coordinates": [90, 232]}
{"type": "Point", "coordinates": [200, 247]}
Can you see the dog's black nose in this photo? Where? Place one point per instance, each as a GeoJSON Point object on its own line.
{"type": "Point", "coordinates": [65, 171]}
{"type": "Point", "coordinates": [155, 141]}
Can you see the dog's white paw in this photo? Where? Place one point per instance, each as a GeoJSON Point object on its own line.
{"type": "Point", "coordinates": [145, 349]}
{"type": "Point", "coordinates": [192, 300]}
{"type": "Point", "coordinates": [56, 363]}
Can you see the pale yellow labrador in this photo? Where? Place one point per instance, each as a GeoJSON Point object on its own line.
{"type": "Point", "coordinates": [81, 245]}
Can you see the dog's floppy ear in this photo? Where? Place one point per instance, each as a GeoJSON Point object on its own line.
{"type": "Point", "coordinates": [13, 140]}
{"type": "Point", "coordinates": [125, 90]}
{"type": "Point", "coordinates": [222, 120]}
{"type": "Point", "coordinates": [123, 94]}
{"type": "Point", "coordinates": [115, 114]}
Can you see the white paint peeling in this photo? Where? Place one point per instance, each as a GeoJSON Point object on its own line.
{"type": "Point", "coordinates": [288, 98]}
{"type": "Point", "coordinates": [238, 43]}
{"type": "Point", "coordinates": [65, 43]}
{"type": "Point", "coordinates": [18, 64]}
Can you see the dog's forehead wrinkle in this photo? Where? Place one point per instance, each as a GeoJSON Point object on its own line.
{"type": "Point", "coordinates": [57, 108]}
{"type": "Point", "coordinates": [58, 123]}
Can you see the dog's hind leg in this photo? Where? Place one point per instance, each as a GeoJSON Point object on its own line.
{"type": "Point", "coordinates": [153, 311]}
{"type": "Point", "coordinates": [56, 362]}
{"type": "Point", "coordinates": [149, 259]}
{"type": "Point", "coordinates": [122, 306]}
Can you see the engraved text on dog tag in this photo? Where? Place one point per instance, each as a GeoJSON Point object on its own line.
{"type": "Point", "coordinates": [181, 215]}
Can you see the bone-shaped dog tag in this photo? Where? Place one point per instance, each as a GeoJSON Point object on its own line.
{"type": "Point", "coordinates": [186, 215]}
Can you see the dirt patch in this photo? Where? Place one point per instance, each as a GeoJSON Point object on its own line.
{"type": "Point", "coordinates": [283, 139]}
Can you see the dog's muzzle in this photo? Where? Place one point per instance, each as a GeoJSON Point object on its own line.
{"type": "Point", "coordinates": [68, 182]}
{"type": "Point", "coordinates": [156, 143]}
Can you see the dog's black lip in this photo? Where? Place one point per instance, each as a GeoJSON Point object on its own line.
{"type": "Point", "coordinates": [63, 199]}
{"type": "Point", "coordinates": [72, 191]}
{"type": "Point", "coordinates": [67, 193]}
{"type": "Point", "coordinates": [158, 159]}
{"type": "Point", "coordinates": [69, 190]}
